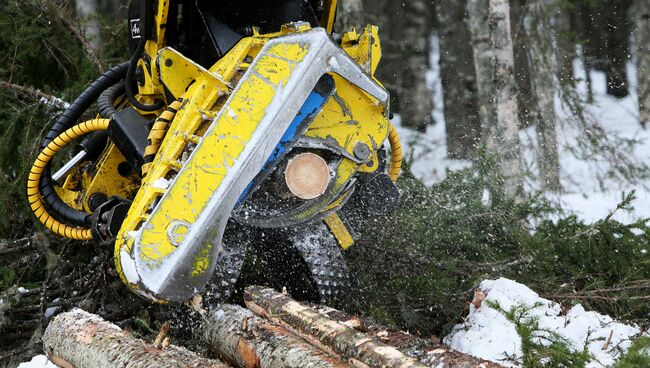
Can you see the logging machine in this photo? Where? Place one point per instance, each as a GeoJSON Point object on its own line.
{"type": "Point", "coordinates": [229, 117]}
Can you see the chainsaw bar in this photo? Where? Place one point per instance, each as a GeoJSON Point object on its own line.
{"type": "Point", "coordinates": [324, 258]}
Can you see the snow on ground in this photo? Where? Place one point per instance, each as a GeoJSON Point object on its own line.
{"type": "Point", "coordinates": [487, 334]}
{"type": "Point", "coordinates": [39, 361]}
{"type": "Point", "coordinates": [588, 192]}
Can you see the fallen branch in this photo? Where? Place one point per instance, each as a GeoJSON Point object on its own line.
{"type": "Point", "coordinates": [37, 94]}
{"type": "Point", "coordinates": [245, 340]}
{"type": "Point", "coordinates": [83, 340]}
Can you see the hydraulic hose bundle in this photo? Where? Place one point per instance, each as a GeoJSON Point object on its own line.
{"type": "Point", "coordinates": [48, 207]}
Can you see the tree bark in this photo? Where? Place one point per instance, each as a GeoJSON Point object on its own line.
{"type": "Point", "coordinates": [499, 111]}
{"type": "Point", "coordinates": [566, 43]}
{"type": "Point", "coordinates": [82, 340]}
{"type": "Point", "coordinates": [323, 332]}
{"type": "Point", "coordinates": [246, 340]}
{"type": "Point", "coordinates": [618, 47]}
{"type": "Point", "coordinates": [643, 59]}
{"type": "Point", "coordinates": [540, 38]}
{"type": "Point", "coordinates": [416, 98]}
{"type": "Point", "coordinates": [518, 13]}
{"type": "Point", "coordinates": [458, 77]}
{"type": "Point", "coordinates": [350, 15]}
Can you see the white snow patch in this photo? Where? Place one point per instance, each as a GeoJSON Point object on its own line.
{"type": "Point", "coordinates": [161, 183]}
{"type": "Point", "coordinates": [487, 334]}
{"type": "Point", "coordinates": [39, 361]}
{"type": "Point", "coordinates": [22, 290]}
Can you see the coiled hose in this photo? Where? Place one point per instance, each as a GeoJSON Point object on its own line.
{"type": "Point", "coordinates": [59, 209]}
{"type": "Point", "coordinates": [157, 134]}
{"type": "Point", "coordinates": [396, 153]}
{"type": "Point", "coordinates": [40, 167]}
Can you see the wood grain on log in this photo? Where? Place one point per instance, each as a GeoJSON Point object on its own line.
{"type": "Point", "coordinates": [324, 332]}
{"type": "Point", "coordinates": [247, 341]}
{"type": "Point", "coordinates": [83, 340]}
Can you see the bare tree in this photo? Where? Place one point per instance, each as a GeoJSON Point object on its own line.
{"type": "Point", "coordinates": [643, 59]}
{"type": "Point", "coordinates": [458, 80]}
{"type": "Point", "coordinates": [499, 111]}
{"type": "Point", "coordinates": [539, 30]}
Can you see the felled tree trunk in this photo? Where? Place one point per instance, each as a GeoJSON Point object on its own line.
{"type": "Point", "coordinates": [337, 338]}
{"type": "Point", "coordinates": [643, 59]}
{"type": "Point", "coordinates": [499, 111]}
{"type": "Point", "coordinates": [246, 340]}
{"type": "Point", "coordinates": [540, 40]}
{"type": "Point", "coordinates": [458, 80]}
{"type": "Point", "coordinates": [82, 340]}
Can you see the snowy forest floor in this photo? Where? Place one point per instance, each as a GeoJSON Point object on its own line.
{"type": "Point", "coordinates": [590, 189]}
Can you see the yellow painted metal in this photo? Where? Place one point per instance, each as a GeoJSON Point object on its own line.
{"type": "Point", "coordinates": [79, 186]}
{"type": "Point", "coordinates": [329, 15]}
{"type": "Point", "coordinates": [107, 180]}
{"type": "Point", "coordinates": [364, 48]}
{"type": "Point", "coordinates": [348, 118]}
{"type": "Point", "coordinates": [206, 168]}
{"type": "Point", "coordinates": [339, 230]}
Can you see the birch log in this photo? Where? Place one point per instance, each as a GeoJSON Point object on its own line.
{"type": "Point", "coordinates": [245, 340]}
{"type": "Point", "coordinates": [489, 22]}
{"type": "Point", "coordinates": [328, 335]}
{"type": "Point", "coordinates": [540, 39]}
{"type": "Point", "coordinates": [643, 59]}
{"type": "Point", "coordinates": [78, 339]}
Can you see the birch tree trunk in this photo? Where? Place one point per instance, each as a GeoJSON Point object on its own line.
{"type": "Point", "coordinates": [350, 15]}
{"type": "Point", "coordinates": [458, 80]}
{"type": "Point", "coordinates": [540, 39]}
{"type": "Point", "coordinates": [82, 340]}
{"type": "Point", "coordinates": [499, 111]}
{"type": "Point", "coordinates": [643, 59]}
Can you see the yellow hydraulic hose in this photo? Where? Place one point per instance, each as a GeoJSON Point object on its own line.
{"type": "Point", "coordinates": [33, 191]}
{"type": "Point", "coordinates": [157, 134]}
{"type": "Point", "coordinates": [396, 153]}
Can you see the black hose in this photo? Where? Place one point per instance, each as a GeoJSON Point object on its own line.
{"type": "Point", "coordinates": [133, 64]}
{"type": "Point", "coordinates": [59, 209]}
{"type": "Point", "coordinates": [106, 101]}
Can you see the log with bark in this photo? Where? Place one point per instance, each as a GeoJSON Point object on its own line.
{"type": "Point", "coordinates": [79, 339]}
{"type": "Point", "coordinates": [274, 332]}
{"type": "Point", "coordinates": [348, 343]}
{"type": "Point", "coordinates": [245, 340]}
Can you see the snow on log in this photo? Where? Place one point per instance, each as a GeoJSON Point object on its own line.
{"type": "Point", "coordinates": [323, 332]}
{"type": "Point", "coordinates": [78, 339]}
{"type": "Point", "coordinates": [247, 341]}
